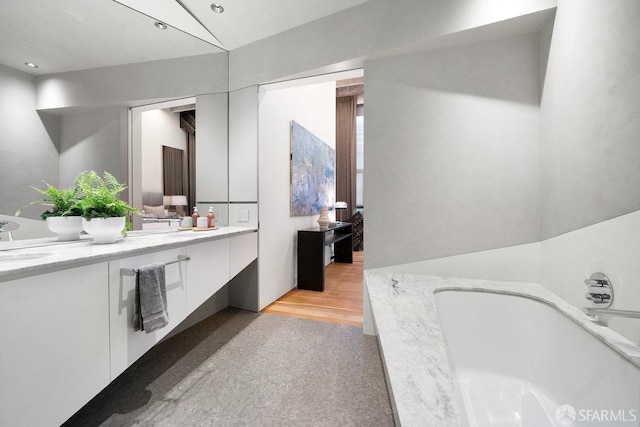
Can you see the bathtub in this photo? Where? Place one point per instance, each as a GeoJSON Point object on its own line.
{"type": "Point", "coordinates": [518, 361]}
{"type": "Point", "coordinates": [487, 353]}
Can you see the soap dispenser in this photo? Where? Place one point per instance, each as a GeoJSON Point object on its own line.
{"type": "Point", "coordinates": [194, 217]}
{"type": "Point", "coordinates": [211, 218]}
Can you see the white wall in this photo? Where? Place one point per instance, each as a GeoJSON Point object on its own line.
{"type": "Point", "coordinates": [589, 113]}
{"type": "Point", "coordinates": [212, 183]}
{"type": "Point", "coordinates": [520, 263]}
{"type": "Point", "coordinates": [212, 163]}
{"type": "Point", "coordinates": [92, 140]}
{"type": "Point", "coordinates": [451, 151]}
{"type": "Point", "coordinates": [375, 27]}
{"type": "Point", "coordinates": [589, 153]}
{"type": "Point", "coordinates": [159, 127]}
{"type": "Point", "coordinates": [590, 217]}
{"type": "Point", "coordinates": [135, 84]}
{"type": "Point", "coordinates": [560, 263]}
{"type": "Point", "coordinates": [611, 247]}
{"type": "Point", "coordinates": [243, 145]}
{"type": "Point", "coordinates": [28, 152]}
{"type": "Point", "coordinates": [313, 106]}
{"type": "Point", "coordinates": [243, 157]}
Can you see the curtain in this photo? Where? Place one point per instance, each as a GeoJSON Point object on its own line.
{"type": "Point", "coordinates": [188, 124]}
{"type": "Point", "coordinates": [172, 170]}
{"type": "Point", "coordinates": [346, 151]}
{"type": "Point", "coordinates": [191, 170]}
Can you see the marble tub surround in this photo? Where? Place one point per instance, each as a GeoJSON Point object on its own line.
{"type": "Point", "coordinates": [413, 347]}
{"type": "Point", "coordinates": [27, 258]}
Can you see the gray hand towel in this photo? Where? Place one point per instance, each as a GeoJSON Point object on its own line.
{"type": "Point", "coordinates": [150, 310]}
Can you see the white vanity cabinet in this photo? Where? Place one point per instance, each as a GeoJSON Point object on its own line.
{"type": "Point", "coordinates": [66, 331]}
{"type": "Point", "coordinates": [128, 345]}
{"type": "Point", "coordinates": [54, 344]}
{"type": "Point", "coordinates": [189, 284]}
{"type": "Point", "coordinates": [208, 270]}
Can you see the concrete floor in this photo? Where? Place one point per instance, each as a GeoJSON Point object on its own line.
{"type": "Point", "coordinates": [239, 368]}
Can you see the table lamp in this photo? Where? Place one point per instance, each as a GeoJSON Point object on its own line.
{"type": "Point", "coordinates": [179, 202]}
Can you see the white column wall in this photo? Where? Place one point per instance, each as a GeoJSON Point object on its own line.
{"type": "Point", "coordinates": [313, 106]}
{"type": "Point", "coordinates": [212, 183]}
{"type": "Point", "coordinates": [243, 145]}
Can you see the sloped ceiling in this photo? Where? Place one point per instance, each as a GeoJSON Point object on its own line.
{"type": "Point", "coordinates": [66, 35]}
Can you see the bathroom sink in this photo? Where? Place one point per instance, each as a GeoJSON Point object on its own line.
{"type": "Point", "coordinates": [20, 257]}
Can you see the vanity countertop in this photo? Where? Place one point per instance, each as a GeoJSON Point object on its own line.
{"type": "Point", "coordinates": [25, 258]}
{"type": "Point", "coordinates": [421, 384]}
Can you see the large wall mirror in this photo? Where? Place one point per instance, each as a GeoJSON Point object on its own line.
{"type": "Point", "coordinates": [129, 143]}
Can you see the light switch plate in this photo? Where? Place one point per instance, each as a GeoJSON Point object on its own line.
{"type": "Point", "coordinates": [243, 215]}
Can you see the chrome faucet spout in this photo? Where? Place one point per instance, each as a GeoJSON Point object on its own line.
{"type": "Point", "coordinates": [612, 312]}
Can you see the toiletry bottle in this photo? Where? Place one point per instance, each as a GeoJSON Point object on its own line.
{"type": "Point", "coordinates": [194, 217]}
{"type": "Point", "coordinates": [211, 218]}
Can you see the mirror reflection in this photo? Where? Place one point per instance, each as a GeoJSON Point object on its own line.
{"type": "Point", "coordinates": [151, 148]}
{"type": "Point", "coordinates": [179, 160]}
{"type": "Point", "coordinates": [167, 163]}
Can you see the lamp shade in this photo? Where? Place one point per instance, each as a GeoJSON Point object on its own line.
{"type": "Point", "coordinates": [179, 200]}
{"type": "Point", "coordinates": [166, 200]}
{"type": "Point", "coordinates": [341, 205]}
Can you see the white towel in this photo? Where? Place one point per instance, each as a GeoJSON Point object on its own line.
{"type": "Point", "coordinates": [150, 311]}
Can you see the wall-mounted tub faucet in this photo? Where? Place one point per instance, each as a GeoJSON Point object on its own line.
{"type": "Point", "coordinates": [600, 292]}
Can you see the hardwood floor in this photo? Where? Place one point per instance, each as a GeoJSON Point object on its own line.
{"type": "Point", "coordinates": [341, 301]}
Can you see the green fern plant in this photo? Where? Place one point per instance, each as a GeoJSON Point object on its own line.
{"type": "Point", "coordinates": [100, 196]}
{"type": "Point", "coordinates": [62, 202]}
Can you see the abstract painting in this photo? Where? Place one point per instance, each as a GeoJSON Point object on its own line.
{"type": "Point", "coordinates": [313, 164]}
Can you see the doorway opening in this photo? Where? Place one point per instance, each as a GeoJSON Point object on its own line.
{"type": "Point", "coordinates": [311, 102]}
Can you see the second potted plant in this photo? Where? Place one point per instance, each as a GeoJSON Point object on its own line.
{"type": "Point", "coordinates": [104, 216]}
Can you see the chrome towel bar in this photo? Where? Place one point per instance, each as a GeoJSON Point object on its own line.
{"type": "Point", "coordinates": [134, 271]}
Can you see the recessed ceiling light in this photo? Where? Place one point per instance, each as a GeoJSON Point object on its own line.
{"type": "Point", "coordinates": [217, 8]}
{"type": "Point", "coordinates": [31, 65]}
{"type": "Point", "coordinates": [160, 25]}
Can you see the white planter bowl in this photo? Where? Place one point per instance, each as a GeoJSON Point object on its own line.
{"type": "Point", "coordinates": [104, 230]}
{"type": "Point", "coordinates": [66, 227]}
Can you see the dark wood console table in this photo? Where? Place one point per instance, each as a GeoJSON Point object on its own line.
{"type": "Point", "coordinates": [311, 253]}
